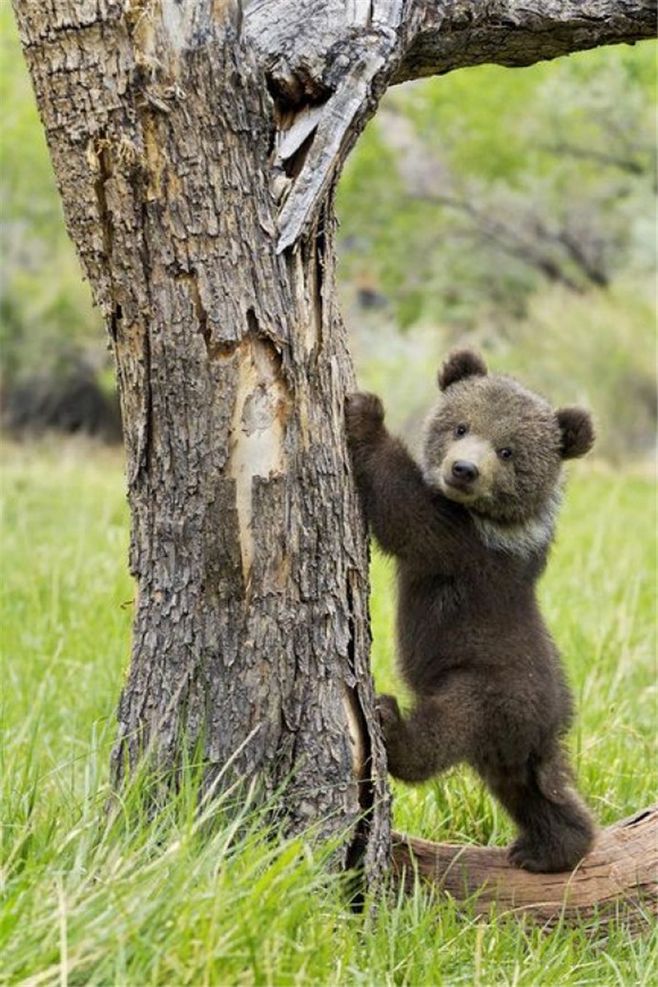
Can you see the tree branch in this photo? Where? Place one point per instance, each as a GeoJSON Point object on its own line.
{"type": "Point", "coordinates": [514, 33]}
{"type": "Point", "coordinates": [512, 239]}
{"type": "Point", "coordinates": [626, 163]}
{"type": "Point", "coordinates": [618, 878]}
{"type": "Point", "coordinates": [330, 61]}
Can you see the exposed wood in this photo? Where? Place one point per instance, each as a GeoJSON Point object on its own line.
{"type": "Point", "coordinates": [335, 57]}
{"type": "Point", "coordinates": [618, 878]}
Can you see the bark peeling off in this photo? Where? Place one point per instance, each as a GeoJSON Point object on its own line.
{"type": "Point", "coordinates": [327, 64]}
{"type": "Point", "coordinates": [353, 716]}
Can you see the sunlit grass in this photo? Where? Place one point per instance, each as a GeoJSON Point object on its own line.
{"type": "Point", "coordinates": [95, 898]}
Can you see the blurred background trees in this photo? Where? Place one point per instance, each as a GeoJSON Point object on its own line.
{"type": "Point", "coordinates": [510, 209]}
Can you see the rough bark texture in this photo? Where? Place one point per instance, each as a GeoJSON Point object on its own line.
{"type": "Point", "coordinates": [459, 33]}
{"type": "Point", "coordinates": [618, 878]}
{"type": "Point", "coordinates": [196, 147]}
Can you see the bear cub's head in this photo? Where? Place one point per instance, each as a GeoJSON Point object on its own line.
{"type": "Point", "coordinates": [496, 447]}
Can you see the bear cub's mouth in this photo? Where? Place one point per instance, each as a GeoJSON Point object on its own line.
{"type": "Point", "coordinates": [460, 490]}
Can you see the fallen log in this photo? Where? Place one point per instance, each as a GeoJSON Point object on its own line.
{"type": "Point", "coordinates": [617, 879]}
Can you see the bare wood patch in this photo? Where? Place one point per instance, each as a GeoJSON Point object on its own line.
{"type": "Point", "coordinates": [260, 413]}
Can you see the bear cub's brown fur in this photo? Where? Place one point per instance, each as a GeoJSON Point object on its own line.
{"type": "Point", "coordinates": [471, 532]}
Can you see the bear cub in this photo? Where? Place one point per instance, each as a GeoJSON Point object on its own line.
{"type": "Point", "coordinates": [471, 531]}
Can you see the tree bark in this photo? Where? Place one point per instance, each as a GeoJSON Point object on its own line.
{"type": "Point", "coordinates": [196, 147]}
{"type": "Point", "coordinates": [617, 879]}
{"type": "Point", "coordinates": [337, 57]}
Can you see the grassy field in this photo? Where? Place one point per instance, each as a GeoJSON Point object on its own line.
{"type": "Point", "coordinates": [86, 900]}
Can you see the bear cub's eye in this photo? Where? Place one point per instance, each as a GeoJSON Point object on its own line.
{"type": "Point", "coordinates": [461, 430]}
{"type": "Point", "coordinates": [505, 453]}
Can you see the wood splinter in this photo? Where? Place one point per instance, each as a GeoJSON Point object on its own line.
{"type": "Point", "coordinates": [617, 879]}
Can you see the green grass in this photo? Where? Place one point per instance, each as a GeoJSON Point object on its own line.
{"type": "Point", "coordinates": [89, 898]}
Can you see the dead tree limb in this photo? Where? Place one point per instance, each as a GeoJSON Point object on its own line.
{"type": "Point", "coordinates": [618, 878]}
{"type": "Point", "coordinates": [459, 33]}
{"type": "Point", "coordinates": [328, 62]}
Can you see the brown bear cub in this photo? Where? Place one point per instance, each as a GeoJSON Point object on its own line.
{"type": "Point", "coordinates": [471, 532]}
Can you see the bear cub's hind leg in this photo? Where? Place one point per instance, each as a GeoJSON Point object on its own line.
{"type": "Point", "coordinates": [556, 828]}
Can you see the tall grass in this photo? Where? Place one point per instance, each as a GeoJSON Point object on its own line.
{"type": "Point", "coordinates": [91, 897]}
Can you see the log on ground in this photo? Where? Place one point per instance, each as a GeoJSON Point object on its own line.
{"type": "Point", "coordinates": [617, 879]}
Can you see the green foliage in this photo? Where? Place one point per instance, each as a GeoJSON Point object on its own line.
{"type": "Point", "coordinates": [494, 181]}
{"type": "Point", "coordinates": [596, 350]}
{"type": "Point", "coordinates": [95, 898]}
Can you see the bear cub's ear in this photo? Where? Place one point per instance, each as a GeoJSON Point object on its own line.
{"type": "Point", "coordinates": [461, 364]}
{"type": "Point", "coordinates": [577, 432]}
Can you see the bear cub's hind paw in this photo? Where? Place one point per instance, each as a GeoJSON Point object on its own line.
{"type": "Point", "coordinates": [530, 855]}
{"type": "Point", "coordinates": [388, 709]}
{"type": "Point", "coordinates": [390, 718]}
{"type": "Point", "coordinates": [527, 855]}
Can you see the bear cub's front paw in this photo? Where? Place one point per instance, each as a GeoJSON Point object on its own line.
{"type": "Point", "coordinates": [364, 416]}
{"type": "Point", "coordinates": [389, 716]}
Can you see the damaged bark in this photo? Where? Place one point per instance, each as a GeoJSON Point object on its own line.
{"type": "Point", "coordinates": [196, 147]}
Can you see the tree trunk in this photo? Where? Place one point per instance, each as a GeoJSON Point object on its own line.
{"type": "Point", "coordinates": [251, 629]}
{"type": "Point", "coordinates": [196, 147]}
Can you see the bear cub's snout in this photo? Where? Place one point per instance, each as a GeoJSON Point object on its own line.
{"type": "Point", "coordinates": [464, 471]}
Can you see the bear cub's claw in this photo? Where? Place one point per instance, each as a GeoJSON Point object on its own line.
{"type": "Point", "coordinates": [364, 416]}
{"type": "Point", "coordinates": [526, 855]}
{"type": "Point", "coordinates": [387, 707]}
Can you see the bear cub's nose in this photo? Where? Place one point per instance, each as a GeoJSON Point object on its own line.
{"type": "Point", "coordinates": [465, 471]}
